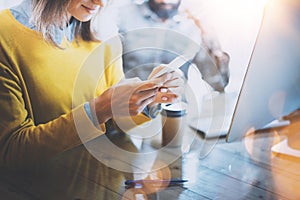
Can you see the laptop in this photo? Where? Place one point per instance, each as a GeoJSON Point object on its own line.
{"type": "Point", "coordinates": [271, 85]}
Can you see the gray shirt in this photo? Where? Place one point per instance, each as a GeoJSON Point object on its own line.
{"type": "Point", "coordinates": [148, 41]}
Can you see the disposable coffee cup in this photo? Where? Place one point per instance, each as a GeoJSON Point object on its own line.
{"type": "Point", "coordinates": [173, 124]}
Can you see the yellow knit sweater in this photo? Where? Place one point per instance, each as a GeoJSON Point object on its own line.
{"type": "Point", "coordinates": [43, 88]}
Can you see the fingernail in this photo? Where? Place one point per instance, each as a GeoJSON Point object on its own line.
{"type": "Point", "coordinates": [164, 98]}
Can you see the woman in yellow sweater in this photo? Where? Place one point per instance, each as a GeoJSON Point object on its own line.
{"type": "Point", "coordinates": [59, 84]}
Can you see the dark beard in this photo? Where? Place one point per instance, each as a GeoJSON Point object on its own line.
{"type": "Point", "coordinates": [161, 12]}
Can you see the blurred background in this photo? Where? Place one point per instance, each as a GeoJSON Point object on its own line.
{"type": "Point", "coordinates": [235, 23]}
{"type": "Point", "coordinates": [6, 3]}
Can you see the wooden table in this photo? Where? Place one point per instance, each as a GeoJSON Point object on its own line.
{"type": "Point", "coordinates": [214, 169]}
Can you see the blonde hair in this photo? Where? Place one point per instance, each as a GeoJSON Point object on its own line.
{"type": "Point", "coordinates": [50, 15]}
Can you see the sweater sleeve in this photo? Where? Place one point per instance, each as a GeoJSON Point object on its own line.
{"type": "Point", "coordinates": [22, 141]}
{"type": "Point", "coordinates": [114, 73]}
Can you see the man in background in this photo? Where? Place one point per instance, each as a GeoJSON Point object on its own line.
{"type": "Point", "coordinates": [157, 33]}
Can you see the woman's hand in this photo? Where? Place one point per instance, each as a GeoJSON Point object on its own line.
{"type": "Point", "coordinates": [172, 90]}
{"type": "Point", "coordinates": [127, 98]}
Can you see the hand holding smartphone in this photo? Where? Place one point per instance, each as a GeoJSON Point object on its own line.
{"type": "Point", "coordinates": [172, 66]}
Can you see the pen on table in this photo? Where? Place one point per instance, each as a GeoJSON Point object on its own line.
{"type": "Point", "coordinates": [171, 181]}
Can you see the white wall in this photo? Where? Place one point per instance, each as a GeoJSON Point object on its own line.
{"type": "Point", "coordinates": [8, 3]}
{"type": "Point", "coordinates": [236, 24]}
